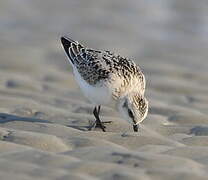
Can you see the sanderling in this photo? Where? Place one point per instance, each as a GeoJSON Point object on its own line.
{"type": "Point", "coordinates": [107, 78]}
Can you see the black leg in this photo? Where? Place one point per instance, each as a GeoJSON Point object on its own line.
{"type": "Point", "coordinates": [98, 123]}
{"type": "Point", "coordinates": [105, 122]}
{"type": "Point", "coordinates": [95, 112]}
{"type": "Point", "coordinates": [98, 110]}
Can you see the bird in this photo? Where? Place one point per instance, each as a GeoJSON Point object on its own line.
{"type": "Point", "coordinates": [108, 79]}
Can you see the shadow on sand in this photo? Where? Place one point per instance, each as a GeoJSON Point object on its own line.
{"type": "Point", "coordinates": [4, 118]}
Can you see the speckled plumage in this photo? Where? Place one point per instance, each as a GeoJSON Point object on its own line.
{"type": "Point", "coordinates": [108, 79]}
{"type": "Point", "coordinates": [102, 68]}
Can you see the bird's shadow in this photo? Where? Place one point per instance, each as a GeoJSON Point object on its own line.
{"type": "Point", "coordinates": [82, 127]}
{"type": "Point", "coordinates": [4, 118]}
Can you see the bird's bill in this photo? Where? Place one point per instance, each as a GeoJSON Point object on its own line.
{"type": "Point", "coordinates": [135, 127]}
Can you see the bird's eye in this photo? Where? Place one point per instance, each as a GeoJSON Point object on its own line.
{"type": "Point", "coordinates": [130, 114]}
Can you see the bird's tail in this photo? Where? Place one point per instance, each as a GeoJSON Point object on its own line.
{"type": "Point", "coordinates": [73, 49]}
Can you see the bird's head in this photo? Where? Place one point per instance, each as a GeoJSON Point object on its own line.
{"type": "Point", "coordinates": [134, 108]}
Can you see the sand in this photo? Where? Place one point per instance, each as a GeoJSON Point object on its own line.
{"type": "Point", "coordinates": [44, 118]}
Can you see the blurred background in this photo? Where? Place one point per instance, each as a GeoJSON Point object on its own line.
{"type": "Point", "coordinates": [42, 108]}
{"type": "Point", "coordinates": [167, 38]}
{"type": "Point", "coordinates": [146, 30]}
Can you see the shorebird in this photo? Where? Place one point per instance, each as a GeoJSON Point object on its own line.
{"type": "Point", "coordinates": [106, 78]}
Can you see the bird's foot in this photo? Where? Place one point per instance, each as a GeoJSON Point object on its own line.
{"type": "Point", "coordinates": [100, 125]}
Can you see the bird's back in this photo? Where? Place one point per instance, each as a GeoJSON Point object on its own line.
{"type": "Point", "coordinates": [104, 68]}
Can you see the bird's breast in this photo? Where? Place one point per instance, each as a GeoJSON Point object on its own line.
{"type": "Point", "coordinates": [98, 94]}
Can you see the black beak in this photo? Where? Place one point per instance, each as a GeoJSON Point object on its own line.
{"type": "Point", "coordinates": [135, 127]}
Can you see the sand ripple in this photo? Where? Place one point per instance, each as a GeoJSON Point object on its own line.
{"type": "Point", "coordinates": [44, 118]}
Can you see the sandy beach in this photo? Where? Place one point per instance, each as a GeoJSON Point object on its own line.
{"type": "Point", "coordinates": [44, 118]}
